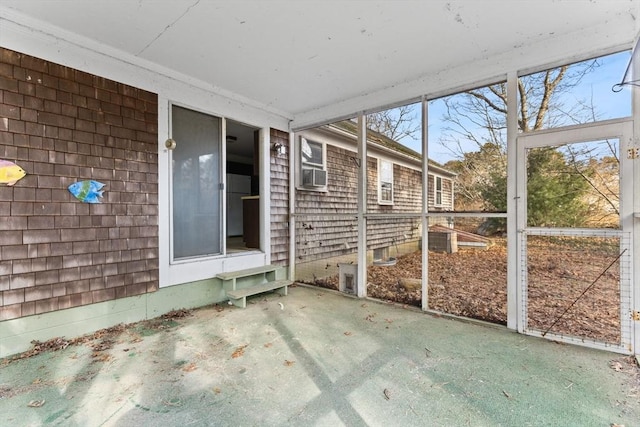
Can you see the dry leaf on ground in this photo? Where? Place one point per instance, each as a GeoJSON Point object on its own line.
{"type": "Point", "coordinates": [177, 314]}
{"type": "Point", "coordinates": [473, 283]}
{"type": "Point", "coordinates": [239, 351]}
{"type": "Point", "coordinates": [190, 367]}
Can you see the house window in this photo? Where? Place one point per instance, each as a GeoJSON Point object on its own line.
{"type": "Point", "coordinates": [385, 182]}
{"type": "Point", "coordinates": [313, 164]}
{"type": "Point", "coordinates": [438, 195]}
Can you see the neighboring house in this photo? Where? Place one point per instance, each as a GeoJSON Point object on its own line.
{"type": "Point", "coordinates": [327, 184]}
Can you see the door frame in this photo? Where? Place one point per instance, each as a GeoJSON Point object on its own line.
{"type": "Point", "coordinates": [621, 129]}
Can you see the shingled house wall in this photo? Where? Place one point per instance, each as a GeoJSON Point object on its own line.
{"type": "Point", "coordinates": [62, 125]}
{"type": "Point", "coordinates": [280, 200]}
{"type": "Point", "coordinates": [322, 234]}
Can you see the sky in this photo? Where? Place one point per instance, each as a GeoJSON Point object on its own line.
{"type": "Point", "coordinates": [596, 85]}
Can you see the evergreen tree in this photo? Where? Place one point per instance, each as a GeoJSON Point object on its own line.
{"type": "Point", "coordinates": [556, 186]}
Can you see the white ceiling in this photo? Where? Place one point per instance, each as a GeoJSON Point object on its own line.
{"type": "Point", "coordinates": [312, 61]}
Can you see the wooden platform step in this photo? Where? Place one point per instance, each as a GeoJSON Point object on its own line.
{"type": "Point", "coordinates": [247, 272]}
{"type": "Point", "coordinates": [238, 297]}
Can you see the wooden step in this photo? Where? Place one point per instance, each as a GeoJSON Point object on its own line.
{"type": "Point", "coordinates": [238, 297]}
{"type": "Point", "coordinates": [247, 272]}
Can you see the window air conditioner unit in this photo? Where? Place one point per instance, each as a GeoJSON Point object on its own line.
{"type": "Point", "coordinates": [314, 177]}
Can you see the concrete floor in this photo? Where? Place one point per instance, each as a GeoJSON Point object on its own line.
{"type": "Point", "coordinates": [318, 359]}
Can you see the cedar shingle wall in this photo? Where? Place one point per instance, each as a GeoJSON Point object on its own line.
{"type": "Point", "coordinates": [61, 126]}
{"type": "Point", "coordinates": [318, 233]}
{"type": "Point", "coordinates": [280, 200]}
{"type": "Point", "coordinates": [321, 235]}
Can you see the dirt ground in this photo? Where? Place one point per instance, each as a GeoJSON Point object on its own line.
{"type": "Point", "coordinates": [569, 291]}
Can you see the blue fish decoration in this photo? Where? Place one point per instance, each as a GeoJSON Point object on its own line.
{"type": "Point", "coordinates": [87, 191]}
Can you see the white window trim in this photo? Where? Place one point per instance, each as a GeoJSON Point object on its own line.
{"type": "Point", "coordinates": [306, 165]}
{"type": "Point", "coordinates": [380, 200]}
{"type": "Point", "coordinates": [436, 191]}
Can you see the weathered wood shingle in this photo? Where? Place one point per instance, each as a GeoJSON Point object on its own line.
{"type": "Point", "coordinates": [62, 125]}
{"type": "Point", "coordinates": [279, 195]}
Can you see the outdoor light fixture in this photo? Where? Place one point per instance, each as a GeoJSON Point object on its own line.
{"type": "Point", "coordinates": [279, 149]}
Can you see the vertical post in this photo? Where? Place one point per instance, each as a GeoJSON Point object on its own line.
{"type": "Point", "coordinates": [425, 204]}
{"type": "Point", "coordinates": [165, 190]}
{"type": "Point", "coordinates": [265, 192]}
{"type": "Point", "coordinates": [292, 206]}
{"type": "Point", "coordinates": [222, 191]}
{"type": "Point", "coordinates": [514, 294]}
{"type": "Point", "coordinates": [635, 229]}
{"type": "Point", "coordinates": [362, 206]}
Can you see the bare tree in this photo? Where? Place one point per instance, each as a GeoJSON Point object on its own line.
{"type": "Point", "coordinates": [396, 123]}
{"type": "Point", "coordinates": [476, 134]}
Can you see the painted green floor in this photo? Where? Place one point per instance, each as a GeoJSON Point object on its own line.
{"type": "Point", "coordinates": [318, 358]}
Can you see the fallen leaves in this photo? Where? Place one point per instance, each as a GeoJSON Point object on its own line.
{"type": "Point", "coordinates": [239, 352]}
{"type": "Point", "coordinates": [289, 362]}
{"type": "Point", "coordinates": [473, 283]}
{"type": "Point", "coordinates": [5, 390]}
{"type": "Point", "coordinates": [54, 344]}
{"type": "Point", "coordinates": [103, 345]}
{"type": "Point", "coordinates": [190, 367]}
{"type": "Point", "coordinates": [101, 357]}
{"type": "Point", "coordinates": [177, 314]}
{"type": "Point", "coordinates": [109, 336]}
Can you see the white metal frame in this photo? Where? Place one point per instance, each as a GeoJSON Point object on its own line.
{"type": "Point", "coordinates": [362, 206]}
{"type": "Point", "coordinates": [223, 172]}
{"type": "Point", "coordinates": [515, 203]}
{"type": "Point", "coordinates": [621, 129]}
{"type": "Point", "coordinates": [175, 272]}
{"type": "Point", "coordinates": [380, 181]}
{"type": "Point", "coordinates": [634, 144]}
{"type": "Point", "coordinates": [425, 203]}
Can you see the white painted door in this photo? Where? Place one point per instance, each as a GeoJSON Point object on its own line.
{"type": "Point", "coordinates": [575, 221]}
